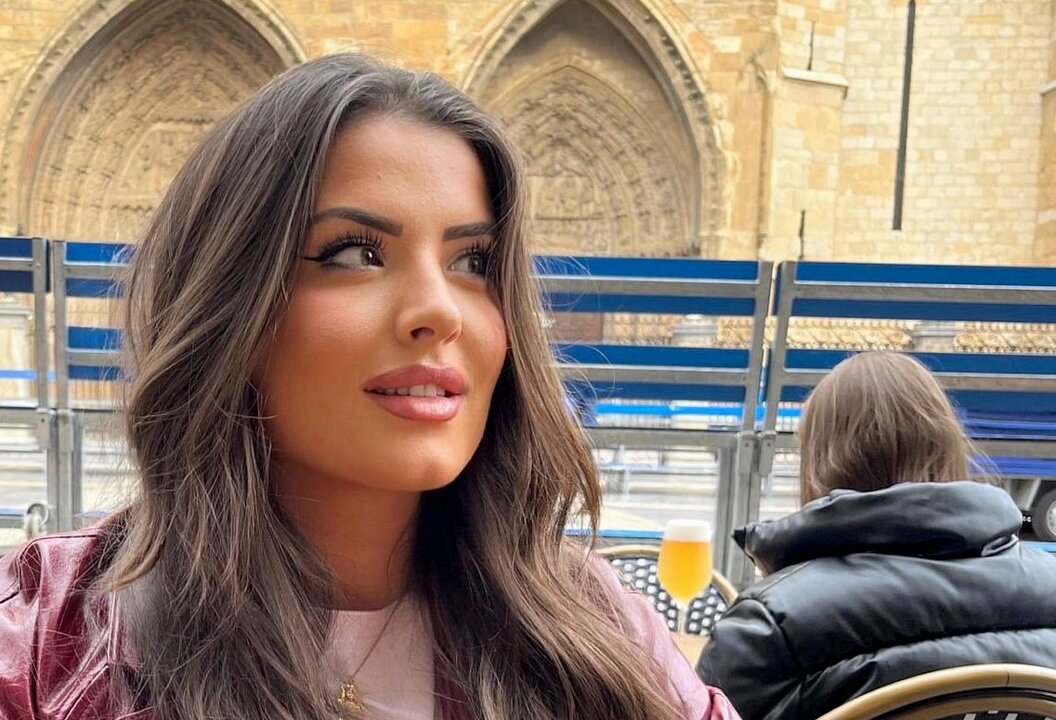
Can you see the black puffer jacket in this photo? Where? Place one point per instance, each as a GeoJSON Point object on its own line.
{"type": "Point", "coordinates": [870, 588]}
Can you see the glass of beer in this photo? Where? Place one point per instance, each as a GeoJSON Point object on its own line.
{"type": "Point", "coordinates": [684, 568]}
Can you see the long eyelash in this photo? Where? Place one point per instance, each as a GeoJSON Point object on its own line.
{"type": "Point", "coordinates": [485, 251]}
{"type": "Point", "coordinates": [350, 239]}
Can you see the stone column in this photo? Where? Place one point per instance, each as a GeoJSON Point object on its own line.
{"type": "Point", "coordinates": [695, 331]}
{"type": "Point", "coordinates": [932, 336]}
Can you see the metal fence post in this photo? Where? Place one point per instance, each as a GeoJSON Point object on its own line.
{"type": "Point", "coordinates": [738, 567]}
{"type": "Point", "coordinates": [62, 500]}
{"type": "Point", "coordinates": [723, 517]}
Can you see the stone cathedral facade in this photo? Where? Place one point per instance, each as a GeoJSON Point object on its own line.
{"type": "Point", "coordinates": [867, 130]}
{"type": "Point", "coordinates": [714, 128]}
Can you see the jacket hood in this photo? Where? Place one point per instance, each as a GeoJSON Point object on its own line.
{"type": "Point", "coordinates": [933, 520]}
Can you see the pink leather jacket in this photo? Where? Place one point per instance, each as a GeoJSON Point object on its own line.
{"type": "Point", "coordinates": [62, 656]}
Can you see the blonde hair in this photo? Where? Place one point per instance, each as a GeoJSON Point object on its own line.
{"type": "Point", "coordinates": [879, 419]}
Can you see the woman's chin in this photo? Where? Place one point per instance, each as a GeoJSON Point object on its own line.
{"type": "Point", "coordinates": [419, 476]}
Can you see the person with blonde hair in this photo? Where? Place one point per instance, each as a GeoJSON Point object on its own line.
{"type": "Point", "coordinates": [355, 462]}
{"type": "Point", "coordinates": [897, 564]}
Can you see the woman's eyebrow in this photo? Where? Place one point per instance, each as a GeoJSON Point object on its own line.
{"type": "Point", "coordinates": [391, 227]}
{"type": "Point", "coordinates": [457, 232]}
{"type": "Point", "coordinates": [385, 225]}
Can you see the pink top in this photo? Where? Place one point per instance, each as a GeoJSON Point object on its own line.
{"type": "Point", "coordinates": [701, 702]}
{"type": "Point", "coordinates": [396, 680]}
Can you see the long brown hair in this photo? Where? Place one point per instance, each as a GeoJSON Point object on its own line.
{"type": "Point", "coordinates": [226, 601]}
{"type": "Point", "coordinates": [879, 419]}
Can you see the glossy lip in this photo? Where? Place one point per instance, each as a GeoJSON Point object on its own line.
{"type": "Point", "coordinates": [447, 378]}
{"type": "Point", "coordinates": [420, 409]}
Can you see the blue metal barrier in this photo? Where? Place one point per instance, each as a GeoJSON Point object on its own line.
{"type": "Point", "coordinates": [610, 376]}
{"type": "Point", "coordinates": [607, 373]}
{"type": "Point", "coordinates": [85, 270]}
{"type": "Point", "coordinates": [979, 383]}
{"type": "Point", "coordinates": [730, 395]}
{"type": "Point", "coordinates": [24, 270]}
{"type": "Point", "coordinates": [1008, 401]}
{"type": "Point", "coordinates": [81, 270]}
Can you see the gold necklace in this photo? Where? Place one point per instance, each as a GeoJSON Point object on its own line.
{"type": "Point", "coordinates": [349, 704]}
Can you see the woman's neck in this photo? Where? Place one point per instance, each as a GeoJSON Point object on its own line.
{"type": "Point", "coordinates": [364, 534]}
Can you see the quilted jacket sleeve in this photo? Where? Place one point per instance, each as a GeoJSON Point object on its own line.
{"type": "Point", "coordinates": [749, 657]}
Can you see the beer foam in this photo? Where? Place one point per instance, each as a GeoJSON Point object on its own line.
{"type": "Point", "coordinates": [688, 530]}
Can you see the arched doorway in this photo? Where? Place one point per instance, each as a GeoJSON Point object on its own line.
{"type": "Point", "coordinates": [117, 99]}
{"type": "Point", "coordinates": [620, 145]}
{"type": "Point", "coordinates": [115, 125]}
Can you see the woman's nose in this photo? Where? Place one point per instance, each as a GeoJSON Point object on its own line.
{"type": "Point", "coordinates": [429, 311]}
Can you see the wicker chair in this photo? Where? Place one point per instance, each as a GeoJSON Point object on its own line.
{"type": "Point", "coordinates": [637, 567]}
{"type": "Point", "coordinates": [972, 692]}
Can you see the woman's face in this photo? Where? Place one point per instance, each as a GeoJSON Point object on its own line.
{"type": "Point", "coordinates": [381, 373]}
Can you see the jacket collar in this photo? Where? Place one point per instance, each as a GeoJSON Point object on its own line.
{"type": "Point", "coordinates": [933, 520]}
{"type": "Point", "coordinates": [120, 650]}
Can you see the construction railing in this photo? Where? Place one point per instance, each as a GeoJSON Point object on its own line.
{"type": "Point", "coordinates": [670, 392]}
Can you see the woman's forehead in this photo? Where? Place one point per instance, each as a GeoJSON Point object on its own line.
{"type": "Point", "coordinates": [398, 161]}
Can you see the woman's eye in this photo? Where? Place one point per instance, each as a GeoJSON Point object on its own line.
{"type": "Point", "coordinates": [356, 256]}
{"type": "Point", "coordinates": [474, 263]}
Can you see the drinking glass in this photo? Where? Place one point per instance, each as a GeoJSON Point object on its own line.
{"type": "Point", "coordinates": [684, 567]}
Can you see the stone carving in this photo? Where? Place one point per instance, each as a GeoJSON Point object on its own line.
{"type": "Point", "coordinates": [675, 69]}
{"type": "Point", "coordinates": [150, 163]}
{"type": "Point", "coordinates": [151, 66]}
{"type": "Point", "coordinates": [13, 64]}
{"type": "Point", "coordinates": [566, 207]}
{"type": "Point", "coordinates": [641, 328]}
{"type": "Point", "coordinates": [602, 181]}
{"type": "Point", "coordinates": [668, 49]}
{"type": "Point", "coordinates": [736, 332]}
{"type": "Point", "coordinates": [132, 88]}
{"type": "Point", "coordinates": [1007, 338]}
{"type": "Point", "coordinates": [823, 333]}
{"type": "Point", "coordinates": [134, 116]}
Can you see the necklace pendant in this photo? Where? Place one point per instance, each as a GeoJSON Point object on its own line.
{"type": "Point", "coordinates": [349, 703]}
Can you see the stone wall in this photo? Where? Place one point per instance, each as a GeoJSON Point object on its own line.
{"type": "Point", "coordinates": [974, 132]}
{"type": "Point", "coordinates": [745, 128]}
{"type": "Point", "coordinates": [1045, 238]}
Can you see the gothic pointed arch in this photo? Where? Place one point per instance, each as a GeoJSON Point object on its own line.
{"type": "Point", "coordinates": [119, 98]}
{"type": "Point", "coordinates": [603, 180]}
{"type": "Point", "coordinates": [611, 113]}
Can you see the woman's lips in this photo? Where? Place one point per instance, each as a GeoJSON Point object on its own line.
{"type": "Point", "coordinates": [424, 393]}
{"type": "Point", "coordinates": [420, 409]}
{"type": "Point", "coordinates": [444, 377]}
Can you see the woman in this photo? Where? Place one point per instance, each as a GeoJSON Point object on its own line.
{"type": "Point", "coordinates": [355, 462]}
{"type": "Point", "coordinates": [895, 565]}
